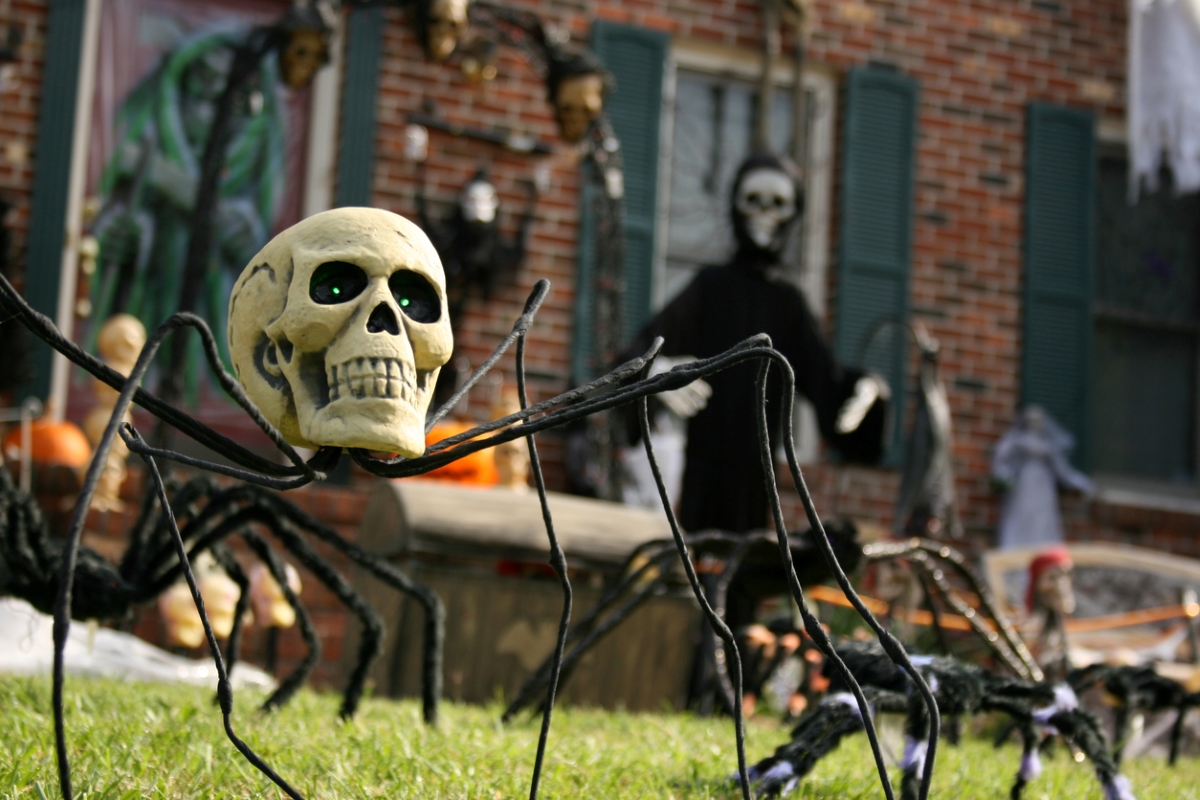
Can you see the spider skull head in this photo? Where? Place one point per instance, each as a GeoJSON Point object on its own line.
{"type": "Point", "coordinates": [766, 202]}
{"type": "Point", "coordinates": [338, 328]}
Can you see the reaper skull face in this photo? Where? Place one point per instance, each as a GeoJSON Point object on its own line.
{"type": "Point", "coordinates": [480, 202]}
{"type": "Point", "coordinates": [765, 201]}
{"type": "Point", "coordinates": [338, 329]}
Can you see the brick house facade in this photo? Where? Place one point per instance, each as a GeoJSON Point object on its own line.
{"type": "Point", "coordinates": [977, 66]}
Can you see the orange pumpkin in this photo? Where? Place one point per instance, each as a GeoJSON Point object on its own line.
{"type": "Point", "coordinates": [478, 469]}
{"type": "Point", "coordinates": [51, 442]}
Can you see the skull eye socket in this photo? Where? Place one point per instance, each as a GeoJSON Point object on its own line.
{"type": "Point", "coordinates": [336, 282]}
{"type": "Point", "coordinates": [416, 296]}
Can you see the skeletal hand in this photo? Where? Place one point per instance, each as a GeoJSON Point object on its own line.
{"type": "Point", "coordinates": [686, 401]}
{"type": "Point", "coordinates": [868, 389]}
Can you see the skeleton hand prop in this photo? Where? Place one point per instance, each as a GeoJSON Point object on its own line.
{"type": "Point", "coordinates": [686, 401]}
{"type": "Point", "coordinates": [338, 328]}
{"type": "Point", "coordinates": [869, 389]}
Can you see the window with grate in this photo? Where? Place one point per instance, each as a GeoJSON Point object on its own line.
{"type": "Point", "coordinates": [1146, 339]}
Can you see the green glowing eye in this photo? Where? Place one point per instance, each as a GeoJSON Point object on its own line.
{"type": "Point", "coordinates": [416, 296]}
{"type": "Point", "coordinates": [336, 282]}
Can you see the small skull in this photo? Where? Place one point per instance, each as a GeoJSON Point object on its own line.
{"type": "Point", "coordinates": [578, 101]}
{"type": "Point", "coordinates": [480, 202]}
{"type": "Point", "coordinates": [338, 328]}
{"type": "Point", "coordinates": [305, 52]}
{"type": "Point", "coordinates": [766, 200]}
{"type": "Point", "coordinates": [444, 27]}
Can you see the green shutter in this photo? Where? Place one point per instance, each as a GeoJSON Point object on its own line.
{"type": "Point", "coordinates": [356, 148]}
{"type": "Point", "coordinates": [1059, 212]}
{"type": "Point", "coordinates": [876, 223]}
{"type": "Point", "coordinates": [637, 59]}
{"type": "Point", "coordinates": [52, 175]}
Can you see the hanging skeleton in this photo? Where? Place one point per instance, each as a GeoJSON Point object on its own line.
{"type": "Point", "coordinates": [473, 250]}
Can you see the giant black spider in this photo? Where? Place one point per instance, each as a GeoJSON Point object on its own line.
{"type": "Point", "coordinates": [644, 575]}
{"type": "Point", "coordinates": [626, 384]}
{"type": "Point", "coordinates": [1037, 709]}
{"type": "Point", "coordinates": [206, 514]}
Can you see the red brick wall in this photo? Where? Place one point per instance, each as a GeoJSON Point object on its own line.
{"type": "Point", "coordinates": [18, 116]}
{"type": "Point", "coordinates": [979, 63]}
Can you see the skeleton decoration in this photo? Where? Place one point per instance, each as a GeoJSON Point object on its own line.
{"type": "Point", "coordinates": [767, 199]}
{"type": "Point", "coordinates": [766, 202]}
{"type": "Point", "coordinates": [338, 329]}
{"type": "Point", "coordinates": [577, 85]}
{"type": "Point", "coordinates": [306, 28]}
{"type": "Point", "coordinates": [1050, 595]}
{"type": "Point", "coordinates": [440, 26]}
{"type": "Point", "coordinates": [120, 341]}
{"type": "Point", "coordinates": [474, 252]}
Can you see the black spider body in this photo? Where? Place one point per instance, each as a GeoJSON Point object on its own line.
{"type": "Point", "coordinates": [1037, 708]}
{"type": "Point", "coordinates": [31, 562]}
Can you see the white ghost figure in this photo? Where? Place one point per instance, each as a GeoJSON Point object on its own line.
{"type": "Point", "coordinates": [1031, 460]}
{"type": "Point", "coordinates": [338, 328]}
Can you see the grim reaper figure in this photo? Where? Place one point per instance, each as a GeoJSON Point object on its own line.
{"type": "Point", "coordinates": [722, 477]}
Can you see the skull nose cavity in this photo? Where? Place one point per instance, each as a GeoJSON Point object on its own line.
{"type": "Point", "coordinates": [382, 320]}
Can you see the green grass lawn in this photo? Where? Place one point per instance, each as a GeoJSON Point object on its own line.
{"type": "Point", "coordinates": [146, 740]}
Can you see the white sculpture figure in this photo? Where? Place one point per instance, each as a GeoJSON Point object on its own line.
{"type": "Point", "coordinates": [271, 608]}
{"type": "Point", "coordinates": [338, 328]}
{"type": "Point", "coordinates": [119, 342]}
{"type": "Point", "coordinates": [1031, 460]}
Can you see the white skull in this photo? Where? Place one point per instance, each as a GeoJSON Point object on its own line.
{"type": "Point", "coordinates": [338, 328]}
{"type": "Point", "coordinates": [480, 202]}
{"type": "Point", "coordinates": [766, 199]}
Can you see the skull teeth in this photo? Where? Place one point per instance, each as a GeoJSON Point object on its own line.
{"type": "Point", "coordinates": [387, 378]}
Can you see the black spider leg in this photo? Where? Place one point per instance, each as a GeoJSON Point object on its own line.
{"type": "Point", "coordinates": [935, 613]}
{"type": "Point", "coordinates": [720, 598]}
{"type": "Point", "coordinates": [710, 614]}
{"type": "Point", "coordinates": [1082, 728]}
{"type": "Point", "coordinates": [558, 561]}
{"type": "Point", "coordinates": [301, 472]}
{"type": "Point", "coordinates": [811, 623]}
{"type": "Point", "coordinates": [1186, 703]}
{"type": "Point", "coordinates": [70, 551]}
{"type": "Point", "coordinates": [296, 678]}
{"type": "Point", "coordinates": [534, 302]}
{"type": "Point", "coordinates": [1025, 665]}
{"type": "Point", "coordinates": [233, 569]}
{"type": "Point", "coordinates": [567, 407]}
{"type": "Point", "coordinates": [586, 632]}
{"type": "Point", "coordinates": [934, 576]}
{"type": "Point", "coordinates": [815, 736]}
{"type": "Point", "coordinates": [1021, 713]}
{"type": "Point", "coordinates": [224, 687]}
{"type": "Point", "coordinates": [275, 518]}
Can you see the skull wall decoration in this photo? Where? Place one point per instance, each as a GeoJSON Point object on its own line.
{"type": "Point", "coordinates": [338, 328]}
{"type": "Point", "coordinates": [766, 201]}
{"type": "Point", "coordinates": [444, 23]}
{"type": "Point", "coordinates": [578, 101]}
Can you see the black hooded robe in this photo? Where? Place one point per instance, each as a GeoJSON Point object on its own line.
{"type": "Point", "coordinates": [723, 482]}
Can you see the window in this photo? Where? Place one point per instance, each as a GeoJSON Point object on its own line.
{"type": "Point", "coordinates": [1147, 323]}
{"type": "Point", "coordinates": [710, 121]}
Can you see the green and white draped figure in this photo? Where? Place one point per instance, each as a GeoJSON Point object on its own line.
{"type": "Point", "coordinates": [149, 187]}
